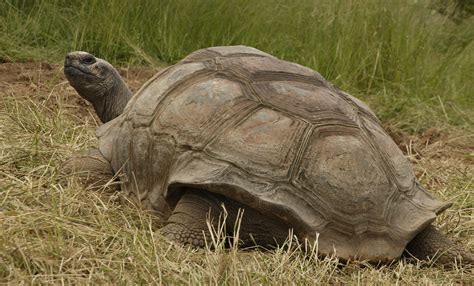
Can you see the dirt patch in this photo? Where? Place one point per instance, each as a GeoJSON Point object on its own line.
{"type": "Point", "coordinates": [38, 80]}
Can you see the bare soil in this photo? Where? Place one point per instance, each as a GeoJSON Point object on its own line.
{"type": "Point", "coordinates": [38, 80]}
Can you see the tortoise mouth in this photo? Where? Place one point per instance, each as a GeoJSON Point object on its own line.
{"type": "Point", "coordinates": [71, 70]}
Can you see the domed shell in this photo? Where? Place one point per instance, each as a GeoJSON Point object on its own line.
{"type": "Point", "coordinates": [275, 136]}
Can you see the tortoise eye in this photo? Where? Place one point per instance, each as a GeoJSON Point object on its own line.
{"type": "Point", "coordinates": [88, 60]}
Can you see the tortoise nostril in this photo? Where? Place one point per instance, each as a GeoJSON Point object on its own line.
{"type": "Point", "coordinates": [68, 60]}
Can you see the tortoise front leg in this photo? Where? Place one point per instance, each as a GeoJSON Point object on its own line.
{"type": "Point", "coordinates": [92, 169]}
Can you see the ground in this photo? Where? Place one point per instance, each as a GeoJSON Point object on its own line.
{"type": "Point", "coordinates": [55, 231]}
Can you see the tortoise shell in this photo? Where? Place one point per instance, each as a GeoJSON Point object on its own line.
{"type": "Point", "coordinates": [277, 137]}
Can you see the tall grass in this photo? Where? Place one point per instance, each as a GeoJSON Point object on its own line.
{"type": "Point", "coordinates": [413, 65]}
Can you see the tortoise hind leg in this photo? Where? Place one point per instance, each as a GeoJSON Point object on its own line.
{"type": "Point", "coordinates": [431, 243]}
{"type": "Point", "coordinates": [92, 169]}
{"type": "Point", "coordinates": [256, 228]}
{"type": "Point", "coordinates": [188, 225]}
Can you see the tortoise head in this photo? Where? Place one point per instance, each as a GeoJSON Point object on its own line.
{"type": "Point", "coordinates": [98, 82]}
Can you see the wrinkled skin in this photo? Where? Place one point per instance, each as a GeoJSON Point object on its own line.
{"type": "Point", "coordinates": [92, 170]}
{"type": "Point", "coordinates": [99, 83]}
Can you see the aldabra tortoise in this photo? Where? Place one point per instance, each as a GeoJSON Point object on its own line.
{"type": "Point", "coordinates": [239, 127]}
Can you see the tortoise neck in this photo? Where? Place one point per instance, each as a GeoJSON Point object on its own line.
{"type": "Point", "coordinates": [114, 100]}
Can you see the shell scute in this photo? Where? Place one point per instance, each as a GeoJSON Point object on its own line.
{"type": "Point", "coordinates": [264, 143]}
{"type": "Point", "coordinates": [337, 168]}
{"type": "Point", "coordinates": [196, 113]}
{"type": "Point", "coordinates": [147, 99]}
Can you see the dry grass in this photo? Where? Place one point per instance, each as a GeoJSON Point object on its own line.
{"type": "Point", "coordinates": [54, 231]}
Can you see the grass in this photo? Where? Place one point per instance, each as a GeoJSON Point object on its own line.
{"type": "Point", "coordinates": [408, 61]}
{"type": "Point", "coordinates": [412, 65]}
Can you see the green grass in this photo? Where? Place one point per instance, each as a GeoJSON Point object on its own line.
{"type": "Point", "coordinates": [412, 64]}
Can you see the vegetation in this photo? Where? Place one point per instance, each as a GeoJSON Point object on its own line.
{"type": "Point", "coordinates": [403, 57]}
{"type": "Point", "coordinates": [412, 61]}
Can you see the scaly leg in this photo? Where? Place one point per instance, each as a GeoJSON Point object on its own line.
{"type": "Point", "coordinates": [93, 170]}
{"type": "Point", "coordinates": [431, 243]}
{"type": "Point", "coordinates": [187, 224]}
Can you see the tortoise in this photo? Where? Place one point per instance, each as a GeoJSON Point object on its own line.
{"type": "Point", "coordinates": [233, 128]}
